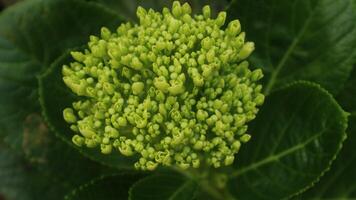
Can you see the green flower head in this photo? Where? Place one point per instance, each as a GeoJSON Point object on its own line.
{"type": "Point", "coordinates": [173, 90]}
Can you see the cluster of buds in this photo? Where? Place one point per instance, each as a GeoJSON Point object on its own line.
{"type": "Point", "coordinates": [173, 90]}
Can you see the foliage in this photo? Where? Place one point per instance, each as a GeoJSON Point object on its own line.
{"type": "Point", "coordinates": [305, 48]}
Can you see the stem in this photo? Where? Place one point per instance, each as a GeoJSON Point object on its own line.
{"type": "Point", "coordinates": [204, 178]}
{"type": "Point", "coordinates": [218, 194]}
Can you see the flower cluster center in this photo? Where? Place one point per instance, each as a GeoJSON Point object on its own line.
{"type": "Point", "coordinates": [174, 89]}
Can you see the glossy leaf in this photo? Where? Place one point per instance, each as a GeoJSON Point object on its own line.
{"type": "Point", "coordinates": [55, 97]}
{"type": "Point", "coordinates": [32, 35]}
{"type": "Point", "coordinates": [114, 187]}
{"type": "Point", "coordinates": [163, 187]}
{"type": "Point", "coordinates": [339, 182]}
{"type": "Point", "coordinates": [300, 39]}
{"type": "Point", "coordinates": [295, 137]}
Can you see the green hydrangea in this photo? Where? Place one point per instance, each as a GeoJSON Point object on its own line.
{"type": "Point", "coordinates": [174, 89]}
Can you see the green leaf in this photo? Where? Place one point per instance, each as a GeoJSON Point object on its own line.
{"type": "Point", "coordinates": [51, 86]}
{"type": "Point", "coordinates": [163, 187]}
{"type": "Point", "coordinates": [295, 138]}
{"type": "Point", "coordinates": [32, 34]}
{"type": "Point", "coordinates": [347, 96]}
{"type": "Point", "coordinates": [128, 8]}
{"type": "Point", "coordinates": [310, 40]}
{"type": "Point", "coordinates": [51, 175]}
{"type": "Point", "coordinates": [339, 182]}
{"type": "Point", "coordinates": [114, 187]}
{"type": "Point", "coordinates": [16, 177]}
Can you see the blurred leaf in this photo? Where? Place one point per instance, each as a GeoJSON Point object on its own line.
{"type": "Point", "coordinates": [163, 187]}
{"type": "Point", "coordinates": [7, 3]}
{"type": "Point", "coordinates": [300, 39]}
{"type": "Point", "coordinates": [32, 35]}
{"type": "Point", "coordinates": [50, 176]}
{"type": "Point", "coordinates": [52, 87]}
{"type": "Point", "coordinates": [128, 8]}
{"type": "Point", "coordinates": [347, 96]}
{"type": "Point", "coordinates": [114, 187]}
{"type": "Point", "coordinates": [296, 136]}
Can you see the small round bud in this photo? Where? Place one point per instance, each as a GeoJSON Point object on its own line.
{"type": "Point", "coordinates": [141, 12]}
{"type": "Point", "coordinates": [256, 75]}
{"type": "Point", "coordinates": [233, 28]}
{"type": "Point", "coordinates": [78, 56]}
{"type": "Point", "coordinates": [229, 160]}
{"type": "Point", "coordinates": [207, 43]}
{"type": "Point", "coordinates": [68, 115]}
{"type": "Point", "coordinates": [161, 84]}
{"type": "Point", "coordinates": [176, 9]}
{"type": "Point", "coordinates": [246, 50]}
{"type": "Point", "coordinates": [220, 20]}
{"type": "Point", "coordinates": [78, 140]}
{"type": "Point", "coordinates": [259, 100]}
{"type": "Point", "coordinates": [105, 33]}
{"type": "Point", "coordinates": [136, 64]}
{"type": "Point", "coordinates": [186, 9]}
{"type": "Point", "coordinates": [121, 121]}
{"type": "Point", "coordinates": [245, 138]}
{"type": "Point", "coordinates": [106, 149]}
{"type": "Point", "coordinates": [206, 12]}
{"type": "Point", "coordinates": [137, 88]}
{"type": "Point", "coordinates": [151, 165]}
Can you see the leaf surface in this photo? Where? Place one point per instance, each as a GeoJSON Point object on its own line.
{"type": "Point", "coordinates": [295, 137]}
{"type": "Point", "coordinates": [310, 40]}
{"type": "Point", "coordinates": [115, 187]}
{"type": "Point", "coordinates": [163, 187]}
{"type": "Point", "coordinates": [32, 35]}
{"type": "Point", "coordinates": [48, 173]}
{"type": "Point", "coordinates": [339, 182]}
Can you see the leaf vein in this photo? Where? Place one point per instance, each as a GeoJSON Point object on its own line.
{"type": "Point", "coordinates": [275, 157]}
{"type": "Point", "coordinates": [291, 48]}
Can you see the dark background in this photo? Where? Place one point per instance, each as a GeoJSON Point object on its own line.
{"type": "Point", "coordinates": [4, 3]}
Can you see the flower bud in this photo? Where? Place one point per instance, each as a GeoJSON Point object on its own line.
{"type": "Point", "coordinates": [68, 115]}
{"type": "Point", "coordinates": [174, 89]}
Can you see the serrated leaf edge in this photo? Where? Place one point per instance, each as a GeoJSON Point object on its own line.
{"type": "Point", "coordinates": [344, 124]}
{"type": "Point", "coordinates": [72, 193]}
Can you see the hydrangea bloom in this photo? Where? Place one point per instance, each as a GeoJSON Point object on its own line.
{"type": "Point", "coordinates": [174, 89]}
